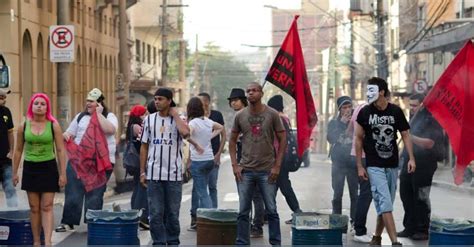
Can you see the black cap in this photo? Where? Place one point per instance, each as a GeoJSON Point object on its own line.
{"type": "Point", "coordinates": [167, 93]}
{"type": "Point", "coordinates": [237, 93]}
{"type": "Point", "coordinates": [276, 102]}
{"type": "Point", "coordinates": [343, 100]}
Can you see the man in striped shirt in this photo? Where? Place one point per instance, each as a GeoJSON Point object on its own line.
{"type": "Point", "coordinates": [161, 167]}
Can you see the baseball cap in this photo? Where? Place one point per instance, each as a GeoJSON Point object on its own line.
{"type": "Point", "coordinates": [167, 93]}
{"type": "Point", "coordinates": [94, 94]}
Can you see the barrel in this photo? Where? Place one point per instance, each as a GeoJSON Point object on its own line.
{"type": "Point", "coordinates": [112, 228]}
{"type": "Point", "coordinates": [15, 227]}
{"type": "Point", "coordinates": [216, 226]}
{"type": "Point", "coordinates": [313, 228]}
{"type": "Point", "coordinates": [451, 232]}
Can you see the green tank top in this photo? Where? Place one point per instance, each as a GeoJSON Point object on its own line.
{"type": "Point", "coordinates": [39, 148]}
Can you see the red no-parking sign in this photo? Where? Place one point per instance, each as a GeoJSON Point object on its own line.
{"type": "Point", "coordinates": [61, 44]}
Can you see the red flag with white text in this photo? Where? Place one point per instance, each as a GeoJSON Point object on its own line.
{"type": "Point", "coordinates": [450, 102]}
{"type": "Point", "coordinates": [288, 72]}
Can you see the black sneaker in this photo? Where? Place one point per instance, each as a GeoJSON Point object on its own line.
{"type": "Point", "coordinates": [143, 225]}
{"type": "Point", "coordinates": [64, 228]}
{"type": "Point", "coordinates": [256, 232]}
{"type": "Point", "coordinates": [404, 234]}
{"type": "Point", "coordinates": [289, 222]}
{"type": "Point", "coordinates": [419, 236]}
{"type": "Point", "coordinates": [396, 243]}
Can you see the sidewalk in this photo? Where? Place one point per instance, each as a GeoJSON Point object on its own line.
{"type": "Point", "coordinates": [443, 177]}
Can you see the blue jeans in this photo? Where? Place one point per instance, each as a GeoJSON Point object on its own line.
{"type": "Point", "coordinates": [340, 171]}
{"type": "Point", "coordinates": [213, 185]}
{"type": "Point", "coordinates": [75, 195]}
{"type": "Point", "coordinates": [201, 171]}
{"type": "Point", "coordinates": [363, 204]}
{"type": "Point", "coordinates": [164, 202]}
{"type": "Point", "coordinates": [246, 189]}
{"type": "Point", "coordinates": [139, 198]}
{"type": "Point", "coordinates": [7, 184]}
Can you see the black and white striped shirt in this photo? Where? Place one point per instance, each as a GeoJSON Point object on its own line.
{"type": "Point", "coordinates": [164, 161]}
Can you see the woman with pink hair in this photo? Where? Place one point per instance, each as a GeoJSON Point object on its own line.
{"type": "Point", "coordinates": [38, 137]}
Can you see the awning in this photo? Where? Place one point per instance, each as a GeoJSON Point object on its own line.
{"type": "Point", "coordinates": [448, 40]}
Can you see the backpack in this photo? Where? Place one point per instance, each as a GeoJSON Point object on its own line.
{"type": "Point", "coordinates": [131, 157]}
{"type": "Point", "coordinates": [291, 161]}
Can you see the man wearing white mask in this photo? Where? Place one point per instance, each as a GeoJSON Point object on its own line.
{"type": "Point", "coordinates": [376, 133]}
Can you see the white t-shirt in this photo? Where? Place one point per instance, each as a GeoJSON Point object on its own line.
{"type": "Point", "coordinates": [79, 129]}
{"type": "Point", "coordinates": [164, 160]}
{"type": "Point", "coordinates": [201, 132]}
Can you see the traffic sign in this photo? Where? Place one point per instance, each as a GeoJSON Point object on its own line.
{"type": "Point", "coordinates": [61, 44]}
{"type": "Point", "coordinates": [420, 86]}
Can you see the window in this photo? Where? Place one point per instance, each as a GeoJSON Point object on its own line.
{"type": "Point", "coordinates": [421, 17]}
{"type": "Point", "coordinates": [105, 24]}
{"type": "Point", "coordinates": [78, 13]}
{"type": "Point", "coordinates": [39, 3]}
{"type": "Point", "coordinates": [27, 1]}
{"type": "Point", "coordinates": [89, 14]}
{"type": "Point", "coordinates": [71, 10]}
{"type": "Point", "coordinates": [99, 22]}
{"type": "Point", "coordinates": [154, 55]}
{"type": "Point", "coordinates": [143, 52]}
{"type": "Point", "coordinates": [137, 50]}
{"type": "Point", "coordinates": [50, 6]}
{"type": "Point", "coordinates": [115, 27]}
{"type": "Point", "coordinates": [148, 54]}
{"type": "Point", "coordinates": [111, 27]}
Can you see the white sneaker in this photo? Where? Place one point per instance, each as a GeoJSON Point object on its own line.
{"type": "Point", "coordinates": [362, 239]}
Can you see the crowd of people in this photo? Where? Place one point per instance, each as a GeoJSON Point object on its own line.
{"type": "Point", "coordinates": [364, 152]}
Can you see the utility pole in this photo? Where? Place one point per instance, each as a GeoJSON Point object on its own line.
{"type": "Point", "coordinates": [382, 63]}
{"type": "Point", "coordinates": [351, 62]}
{"type": "Point", "coordinates": [196, 85]}
{"type": "Point", "coordinates": [164, 44]}
{"type": "Point", "coordinates": [64, 96]}
{"type": "Point", "coordinates": [124, 51]}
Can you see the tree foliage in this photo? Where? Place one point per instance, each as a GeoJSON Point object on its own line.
{"type": "Point", "coordinates": [218, 72]}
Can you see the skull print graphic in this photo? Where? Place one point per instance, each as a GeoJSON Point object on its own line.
{"type": "Point", "coordinates": [383, 135]}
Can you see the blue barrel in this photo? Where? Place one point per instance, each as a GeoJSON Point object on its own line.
{"type": "Point", "coordinates": [451, 232]}
{"type": "Point", "coordinates": [15, 228]}
{"type": "Point", "coordinates": [312, 228]}
{"type": "Point", "coordinates": [112, 228]}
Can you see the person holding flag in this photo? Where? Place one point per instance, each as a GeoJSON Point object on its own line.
{"type": "Point", "coordinates": [90, 145]}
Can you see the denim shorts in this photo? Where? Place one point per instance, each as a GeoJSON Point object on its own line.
{"type": "Point", "coordinates": [383, 183]}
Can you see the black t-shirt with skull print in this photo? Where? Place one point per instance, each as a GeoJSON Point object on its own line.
{"type": "Point", "coordinates": [380, 140]}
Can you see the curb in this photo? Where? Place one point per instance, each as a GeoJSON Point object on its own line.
{"type": "Point", "coordinates": [453, 187]}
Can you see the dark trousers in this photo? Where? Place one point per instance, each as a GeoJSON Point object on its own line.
{"type": "Point", "coordinates": [284, 184]}
{"type": "Point", "coordinates": [415, 195]}
{"type": "Point", "coordinates": [363, 204]}
{"type": "Point", "coordinates": [340, 171]}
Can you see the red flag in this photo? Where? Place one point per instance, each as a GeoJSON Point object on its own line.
{"type": "Point", "coordinates": [288, 72]}
{"type": "Point", "coordinates": [450, 101]}
{"type": "Point", "coordinates": [90, 159]}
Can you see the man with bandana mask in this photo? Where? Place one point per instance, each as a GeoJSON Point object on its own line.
{"type": "Point", "coordinates": [375, 131]}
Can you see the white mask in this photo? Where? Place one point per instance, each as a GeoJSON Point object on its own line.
{"type": "Point", "coordinates": [372, 93]}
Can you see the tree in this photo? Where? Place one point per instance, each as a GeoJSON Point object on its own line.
{"type": "Point", "coordinates": [219, 72]}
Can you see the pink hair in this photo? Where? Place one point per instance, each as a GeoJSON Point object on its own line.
{"type": "Point", "coordinates": [49, 116]}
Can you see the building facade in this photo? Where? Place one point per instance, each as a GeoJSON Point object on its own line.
{"type": "Point", "coordinates": [25, 46]}
{"type": "Point", "coordinates": [146, 20]}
